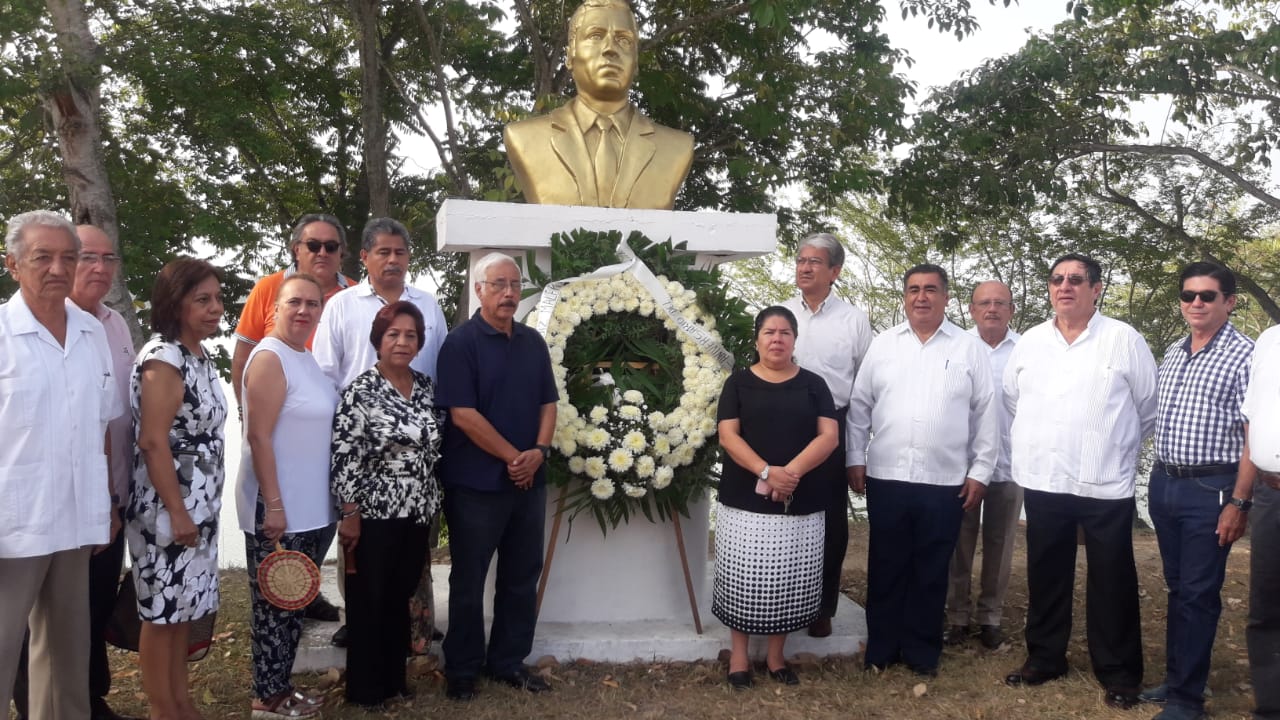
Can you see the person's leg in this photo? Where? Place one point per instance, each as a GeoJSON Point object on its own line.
{"type": "Point", "coordinates": [515, 597]}
{"type": "Point", "coordinates": [22, 580]}
{"type": "Point", "coordinates": [1112, 615]}
{"type": "Point", "coordinates": [104, 585]}
{"type": "Point", "coordinates": [180, 641]}
{"type": "Point", "coordinates": [776, 652]}
{"type": "Point", "coordinates": [936, 514]}
{"type": "Point", "coordinates": [1051, 571]}
{"type": "Point", "coordinates": [59, 622]}
{"type": "Point", "coordinates": [1162, 503]}
{"type": "Point", "coordinates": [889, 563]}
{"type": "Point", "coordinates": [959, 585]}
{"type": "Point", "coordinates": [475, 526]}
{"type": "Point", "coordinates": [411, 541]}
{"type": "Point", "coordinates": [1263, 630]}
{"type": "Point", "coordinates": [158, 665]}
{"type": "Point", "coordinates": [1001, 509]}
{"type": "Point", "coordinates": [274, 632]}
{"type": "Point", "coordinates": [739, 661]}
{"type": "Point", "coordinates": [836, 540]}
{"type": "Point", "coordinates": [368, 619]}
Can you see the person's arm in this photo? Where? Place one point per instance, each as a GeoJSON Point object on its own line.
{"type": "Point", "coordinates": [857, 429]}
{"type": "Point", "coordinates": [480, 431]}
{"type": "Point", "coordinates": [1233, 521]}
{"type": "Point", "coordinates": [265, 386]}
{"type": "Point", "coordinates": [818, 449]}
{"type": "Point", "coordinates": [780, 478]}
{"type": "Point", "coordinates": [525, 467]}
{"type": "Point", "coordinates": [349, 457]}
{"type": "Point", "coordinates": [239, 357]}
{"type": "Point", "coordinates": [161, 391]}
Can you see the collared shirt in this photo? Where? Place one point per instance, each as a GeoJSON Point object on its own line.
{"type": "Point", "coordinates": [342, 346]}
{"type": "Point", "coordinates": [258, 318]}
{"type": "Point", "coordinates": [507, 379]}
{"type": "Point", "coordinates": [927, 409]}
{"type": "Point", "coordinates": [1261, 405]}
{"type": "Point", "coordinates": [1199, 422]}
{"type": "Point", "coordinates": [999, 357]}
{"type": "Point", "coordinates": [586, 118]}
{"type": "Point", "coordinates": [831, 342]}
{"type": "Point", "coordinates": [1080, 410]}
{"type": "Point", "coordinates": [55, 403]}
{"type": "Point", "coordinates": [120, 345]}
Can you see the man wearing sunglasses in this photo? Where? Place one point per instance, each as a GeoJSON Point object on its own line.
{"type": "Point", "coordinates": [1198, 505]}
{"type": "Point", "coordinates": [1082, 390]}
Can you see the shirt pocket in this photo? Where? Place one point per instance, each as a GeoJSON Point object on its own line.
{"type": "Point", "coordinates": [25, 505]}
{"type": "Point", "coordinates": [957, 381]}
{"type": "Point", "coordinates": [19, 402]}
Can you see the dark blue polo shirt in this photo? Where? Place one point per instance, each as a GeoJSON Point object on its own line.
{"type": "Point", "coordinates": [508, 380]}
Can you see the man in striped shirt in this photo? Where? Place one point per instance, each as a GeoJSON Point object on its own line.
{"type": "Point", "coordinates": [1198, 506]}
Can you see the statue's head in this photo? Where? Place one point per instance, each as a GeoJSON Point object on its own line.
{"type": "Point", "coordinates": [604, 49]}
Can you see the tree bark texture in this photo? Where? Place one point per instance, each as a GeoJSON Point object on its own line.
{"type": "Point", "coordinates": [365, 14]}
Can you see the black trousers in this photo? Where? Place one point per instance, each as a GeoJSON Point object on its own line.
{"type": "Point", "coordinates": [104, 584]}
{"type": "Point", "coordinates": [836, 542]}
{"type": "Point", "coordinates": [1112, 620]}
{"type": "Point", "coordinates": [389, 559]}
{"type": "Point", "coordinates": [1263, 631]}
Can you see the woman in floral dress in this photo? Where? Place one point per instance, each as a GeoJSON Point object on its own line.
{"type": "Point", "coordinates": [179, 411]}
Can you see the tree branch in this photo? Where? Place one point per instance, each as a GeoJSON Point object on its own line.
{"type": "Point", "coordinates": [1181, 151]}
{"type": "Point", "coordinates": [462, 184]}
{"type": "Point", "coordinates": [542, 59]}
{"type": "Point", "coordinates": [712, 17]}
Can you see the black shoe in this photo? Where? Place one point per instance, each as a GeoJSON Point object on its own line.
{"type": "Point", "coordinates": [955, 635]}
{"type": "Point", "coordinates": [339, 638]}
{"type": "Point", "coordinates": [785, 675]}
{"type": "Point", "coordinates": [102, 711]}
{"type": "Point", "coordinates": [1027, 675]}
{"type": "Point", "coordinates": [1157, 695]}
{"type": "Point", "coordinates": [1121, 698]}
{"type": "Point", "coordinates": [321, 609]}
{"type": "Point", "coordinates": [521, 679]}
{"type": "Point", "coordinates": [740, 680]}
{"type": "Point", "coordinates": [990, 636]}
{"type": "Point", "coordinates": [462, 689]}
{"type": "Point", "coordinates": [924, 671]}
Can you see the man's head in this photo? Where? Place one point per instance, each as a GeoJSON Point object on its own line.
{"type": "Point", "coordinates": [925, 296]}
{"type": "Point", "coordinates": [42, 250]}
{"type": "Point", "coordinates": [1075, 284]}
{"type": "Point", "coordinates": [991, 308]}
{"type": "Point", "coordinates": [384, 250]}
{"type": "Point", "coordinates": [1208, 295]}
{"type": "Point", "coordinates": [818, 264]}
{"type": "Point", "coordinates": [96, 268]}
{"type": "Point", "coordinates": [498, 287]}
{"type": "Point", "coordinates": [317, 245]}
{"type": "Point", "coordinates": [604, 50]}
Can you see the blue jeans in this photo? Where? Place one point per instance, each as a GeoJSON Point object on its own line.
{"type": "Point", "coordinates": [1185, 512]}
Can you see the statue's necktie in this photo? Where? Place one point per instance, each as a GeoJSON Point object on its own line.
{"type": "Point", "coordinates": [606, 160]}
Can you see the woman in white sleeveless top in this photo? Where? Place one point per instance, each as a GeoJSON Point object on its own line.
{"type": "Point", "coordinates": [283, 491]}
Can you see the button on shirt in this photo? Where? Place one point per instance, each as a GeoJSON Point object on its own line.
{"type": "Point", "coordinates": [341, 344]}
{"type": "Point", "coordinates": [927, 408]}
{"type": "Point", "coordinates": [1262, 402]}
{"type": "Point", "coordinates": [999, 357]}
{"type": "Point", "coordinates": [1199, 421]}
{"type": "Point", "coordinates": [831, 342]}
{"type": "Point", "coordinates": [55, 403]}
{"type": "Point", "coordinates": [1080, 410]}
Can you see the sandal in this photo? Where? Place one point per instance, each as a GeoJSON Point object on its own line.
{"type": "Point", "coordinates": [287, 705]}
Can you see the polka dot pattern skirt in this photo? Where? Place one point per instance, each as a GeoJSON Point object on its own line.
{"type": "Point", "coordinates": [768, 577]}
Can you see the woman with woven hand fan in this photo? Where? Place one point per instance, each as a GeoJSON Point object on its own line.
{"type": "Point", "coordinates": [283, 500]}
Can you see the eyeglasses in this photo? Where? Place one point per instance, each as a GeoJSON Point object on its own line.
{"type": "Point", "coordinates": [330, 246]}
{"type": "Point", "coordinates": [108, 260]}
{"type": "Point", "coordinates": [997, 304]}
{"type": "Point", "coordinates": [1074, 280]}
{"type": "Point", "coordinates": [502, 285]}
{"type": "Point", "coordinates": [1189, 296]}
{"type": "Point", "coordinates": [811, 261]}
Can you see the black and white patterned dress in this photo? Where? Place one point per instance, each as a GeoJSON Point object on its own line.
{"type": "Point", "coordinates": [177, 583]}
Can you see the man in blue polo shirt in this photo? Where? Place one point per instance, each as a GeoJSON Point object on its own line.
{"type": "Point", "coordinates": [495, 379]}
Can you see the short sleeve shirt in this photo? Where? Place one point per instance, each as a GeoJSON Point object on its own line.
{"type": "Point", "coordinates": [258, 318]}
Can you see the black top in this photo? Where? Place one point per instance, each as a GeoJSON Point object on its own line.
{"type": "Point", "coordinates": [778, 420]}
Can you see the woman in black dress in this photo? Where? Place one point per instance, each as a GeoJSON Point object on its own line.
{"type": "Point", "coordinates": [777, 425]}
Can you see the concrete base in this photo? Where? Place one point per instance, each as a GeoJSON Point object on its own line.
{"type": "Point", "coordinates": [639, 641]}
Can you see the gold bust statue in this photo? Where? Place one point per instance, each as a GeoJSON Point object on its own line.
{"type": "Point", "coordinates": [598, 149]}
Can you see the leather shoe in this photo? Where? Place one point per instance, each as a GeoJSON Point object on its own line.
{"type": "Point", "coordinates": [1174, 711]}
{"type": "Point", "coordinates": [990, 636]}
{"type": "Point", "coordinates": [924, 671]}
{"type": "Point", "coordinates": [522, 679]}
{"type": "Point", "coordinates": [102, 711]}
{"type": "Point", "coordinates": [1029, 676]}
{"type": "Point", "coordinates": [955, 635]}
{"type": "Point", "coordinates": [321, 609]}
{"type": "Point", "coordinates": [820, 628]}
{"type": "Point", "coordinates": [1157, 695]}
{"type": "Point", "coordinates": [785, 675]}
{"type": "Point", "coordinates": [1121, 698]}
{"type": "Point", "coordinates": [462, 689]}
{"type": "Point", "coordinates": [740, 680]}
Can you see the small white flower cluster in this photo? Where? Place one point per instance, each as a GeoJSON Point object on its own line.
{"type": "Point", "coordinates": [627, 445]}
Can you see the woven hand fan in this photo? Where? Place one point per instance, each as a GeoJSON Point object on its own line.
{"type": "Point", "coordinates": [288, 579]}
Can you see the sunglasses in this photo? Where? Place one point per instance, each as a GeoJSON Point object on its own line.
{"type": "Point", "coordinates": [1189, 296]}
{"type": "Point", "coordinates": [330, 246]}
{"type": "Point", "coordinates": [1073, 280]}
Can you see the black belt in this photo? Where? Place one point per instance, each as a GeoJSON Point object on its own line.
{"type": "Point", "coordinates": [1197, 471]}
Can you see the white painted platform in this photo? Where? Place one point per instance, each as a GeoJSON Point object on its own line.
{"type": "Point", "coordinates": [639, 641]}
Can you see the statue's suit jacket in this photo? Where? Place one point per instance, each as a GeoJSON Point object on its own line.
{"type": "Point", "coordinates": [552, 166]}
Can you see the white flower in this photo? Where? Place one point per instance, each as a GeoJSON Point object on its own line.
{"type": "Point", "coordinates": [645, 466]}
{"type": "Point", "coordinates": [707, 426]}
{"type": "Point", "coordinates": [634, 441]}
{"type": "Point", "coordinates": [598, 414]}
{"type": "Point", "coordinates": [600, 307]}
{"type": "Point", "coordinates": [645, 308]}
{"type": "Point", "coordinates": [617, 304]}
{"type": "Point", "coordinates": [594, 468]}
{"type": "Point", "coordinates": [635, 397]}
{"type": "Point", "coordinates": [630, 304]}
{"type": "Point", "coordinates": [596, 439]}
{"type": "Point", "coordinates": [568, 446]}
{"type": "Point", "coordinates": [574, 318]}
{"type": "Point", "coordinates": [634, 491]}
{"type": "Point", "coordinates": [695, 439]}
{"type": "Point", "coordinates": [676, 436]}
{"type": "Point", "coordinates": [662, 477]}
{"type": "Point", "coordinates": [577, 465]}
{"type": "Point", "coordinates": [602, 489]}
{"type": "Point", "coordinates": [630, 412]}
{"type": "Point", "coordinates": [658, 420]}
{"type": "Point", "coordinates": [661, 445]}
{"type": "Point", "coordinates": [620, 460]}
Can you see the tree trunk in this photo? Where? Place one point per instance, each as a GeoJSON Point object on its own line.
{"type": "Point", "coordinates": [73, 107]}
{"type": "Point", "coordinates": [365, 15]}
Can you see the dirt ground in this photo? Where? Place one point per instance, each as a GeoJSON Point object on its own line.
{"type": "Point", "coordinates": [969, 685]}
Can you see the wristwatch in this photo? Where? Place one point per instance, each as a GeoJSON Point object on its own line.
{"type": "Point", "coordinates": [546, 452]}
{"type": "Point", "coordinates": [764, 474]}
{"type": "Point", "coordinates": [1241, 503]}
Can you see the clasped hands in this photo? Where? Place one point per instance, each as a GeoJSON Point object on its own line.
{"type": "Point", "coordinates": [782, 482]}
{"type": "Point", "coordinates": [524, 467]}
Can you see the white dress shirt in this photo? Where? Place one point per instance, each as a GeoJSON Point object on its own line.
{"type": "Point", "coordinates": [924, 412]}
{"type": "Point", "coordinates": [1261, 405]}
{"type": "Point", "coordinates": [55, 403]}
{"type": "Point", "coordinates": [120, 345]}
{"type": "Point", "coordinates": [831, 342]}
{"type": "Point", "coordinates": [341, 344]}
{"type": "Point", "coordinates": [1080, 410]}
{"type": "Point", "coordinates": [999, 357]}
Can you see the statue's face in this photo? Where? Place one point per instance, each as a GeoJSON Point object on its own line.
{"type": "Point", "coordinates": [603, 53]}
